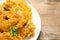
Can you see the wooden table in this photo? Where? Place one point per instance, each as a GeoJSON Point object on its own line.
{"type": "Point", "coordinates": [50, 17]}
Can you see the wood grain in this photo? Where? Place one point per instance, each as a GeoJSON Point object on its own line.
{"type": "Point", "coordinates": [49, 11]}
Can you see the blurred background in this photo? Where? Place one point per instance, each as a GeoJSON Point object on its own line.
{"type": "Point", "coordinates": [49, 11]}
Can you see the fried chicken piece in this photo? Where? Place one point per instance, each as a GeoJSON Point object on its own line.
{"type": "Point", "coordinates": [7, 36]}
{"type": "Point", "coordinates": [27, 30]}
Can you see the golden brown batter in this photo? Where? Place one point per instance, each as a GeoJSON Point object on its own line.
{"type": "Point", "coordinates": [15, 20]}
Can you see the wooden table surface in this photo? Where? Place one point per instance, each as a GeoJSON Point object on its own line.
{"type": "Point", "coordinates": [49, 11]}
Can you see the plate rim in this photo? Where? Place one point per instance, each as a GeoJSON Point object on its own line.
{"type": "Point", "coordinates": [32, 7]}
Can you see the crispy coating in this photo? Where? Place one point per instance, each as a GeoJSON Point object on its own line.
{"type": "Point", "coordinates": [7, 36]}
{"type": "Point", "coordinates": [18, 13]}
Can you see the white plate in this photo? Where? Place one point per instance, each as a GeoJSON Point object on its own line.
{"type": "Point", "coordinates": [36, 20]}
